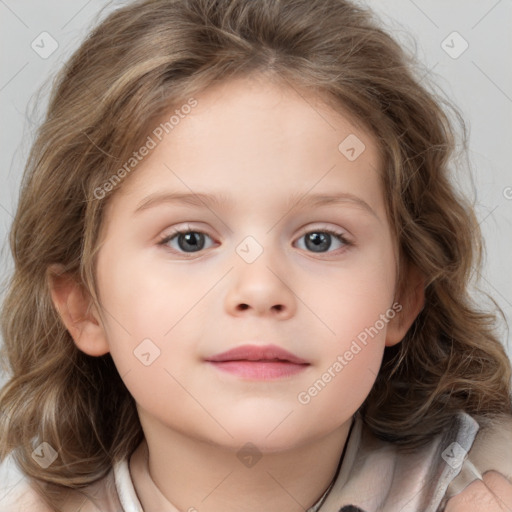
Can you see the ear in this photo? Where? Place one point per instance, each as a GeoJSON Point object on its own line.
{"type": "Point", "coordinates": [412, 300]}
{"type": "Point", "coordinates": [77, 311]}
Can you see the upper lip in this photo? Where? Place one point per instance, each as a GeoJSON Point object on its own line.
{"type": "Point", "coordinates": [257, 353]}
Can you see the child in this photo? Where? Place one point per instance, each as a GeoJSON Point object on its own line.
{"type": "Point", "coordinates": [316, 347]}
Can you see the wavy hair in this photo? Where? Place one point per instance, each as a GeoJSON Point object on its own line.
{"type": "Point", "coordinates": [138, 63]}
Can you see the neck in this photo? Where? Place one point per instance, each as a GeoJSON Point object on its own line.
{"type": "Point", "coordinates": [196, 476]}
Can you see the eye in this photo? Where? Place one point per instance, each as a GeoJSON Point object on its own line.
{"type": "Point", "coordinates": [190, 241]}
{"type": "Point", "coordinates": [185, 240]}
{"type": "Point", "coordinates": [321, 240]}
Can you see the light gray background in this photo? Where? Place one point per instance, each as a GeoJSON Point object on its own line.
{"type": "Point", "coordinates": [478, 81]}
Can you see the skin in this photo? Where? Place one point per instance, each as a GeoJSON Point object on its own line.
{"type": "Point", "coordinates": [259, 143]}
{"type": "Point", "coordinates": [493, 494]}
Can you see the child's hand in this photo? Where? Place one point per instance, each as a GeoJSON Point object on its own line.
{"type": "Point", "coordinates": [492, 494]}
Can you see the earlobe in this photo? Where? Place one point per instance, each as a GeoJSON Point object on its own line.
{"type": "Point", "coordinates": [77, 312]}
{"type": "Point", "coordinates": [412, 300]}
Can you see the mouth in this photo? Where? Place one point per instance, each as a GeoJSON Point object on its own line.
{"type": "Point", "coordinates": [258, 362]}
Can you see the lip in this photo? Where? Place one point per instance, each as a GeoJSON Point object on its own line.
{"type": "Point", "coordinates": [257, 353]}
{"type": "Point", "coordinates": [259, 362]}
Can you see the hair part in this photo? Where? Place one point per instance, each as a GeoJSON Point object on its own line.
{"type": "Point", "coordinates": [144, 60]}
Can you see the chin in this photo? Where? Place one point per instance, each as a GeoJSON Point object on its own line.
{"type": "Point", "coordinates": [269, 433]}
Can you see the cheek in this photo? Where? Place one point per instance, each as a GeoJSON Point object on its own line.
{"type": "Point", "coordinates": [143, 292]}
{"type": "Point", "coordinates": [356, 306]}
{"type": "Point", "coordinates": [155, 314]}
{"type": "Point", "coordinates": [142, 322]}
{"type": "Point", "coordinates": [357, 298]}
{"type": "Point", "coordinates": [138, 306]}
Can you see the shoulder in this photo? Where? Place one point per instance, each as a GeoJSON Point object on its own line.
{"type": "Point", "coordinates": [485, 479]}
{"type": "Point", "coordinates": [17, 493]}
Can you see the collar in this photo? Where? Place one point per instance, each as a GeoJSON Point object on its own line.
{"type": "Point", "coordinates": [373, 475]}
{"type": "Point", "coordinates": [380, 476]}
{"type": "Point", "coordinates": [146, 490]}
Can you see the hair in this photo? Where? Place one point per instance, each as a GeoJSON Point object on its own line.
{"type": "Point", "coordinates": [137, 64]}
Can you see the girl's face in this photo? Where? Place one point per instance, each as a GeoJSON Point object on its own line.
{"type": "Point", "coordinates": [258, 178]}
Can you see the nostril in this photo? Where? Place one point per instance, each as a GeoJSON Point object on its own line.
{"type": "Point", "coordinates": [242, 306]}
{"type": "Point", "coordinates": [350, 508]}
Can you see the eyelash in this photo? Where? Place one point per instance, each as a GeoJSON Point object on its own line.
{"type": "Point", "coordinates": [170, 236]}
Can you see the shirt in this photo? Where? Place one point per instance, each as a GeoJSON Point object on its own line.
{"type": "Point", "coordinates": [374, 475]}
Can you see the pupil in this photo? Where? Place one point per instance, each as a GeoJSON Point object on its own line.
{"type": "Point", "coordinates": [191, 240]}
{"type": "Point", "coordinates": [318, 241]}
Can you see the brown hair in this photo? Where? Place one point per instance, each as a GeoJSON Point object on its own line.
{"type": "Point", "coordinates": [139, 62]}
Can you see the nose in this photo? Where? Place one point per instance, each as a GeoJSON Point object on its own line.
{"type": "Point", "coordinates": [260, 288]}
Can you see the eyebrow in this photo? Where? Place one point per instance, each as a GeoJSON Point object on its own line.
{"type": "Point", "coordinates": [202, 200]}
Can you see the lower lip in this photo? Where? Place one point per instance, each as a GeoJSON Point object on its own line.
{"type": "Point", "coordinates": [260, 370]}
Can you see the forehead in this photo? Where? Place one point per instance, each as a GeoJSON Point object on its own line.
{"type": "Point", "coordinates": [260, 139]}
{"type": "Point", "coordinates": [272, 111]}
